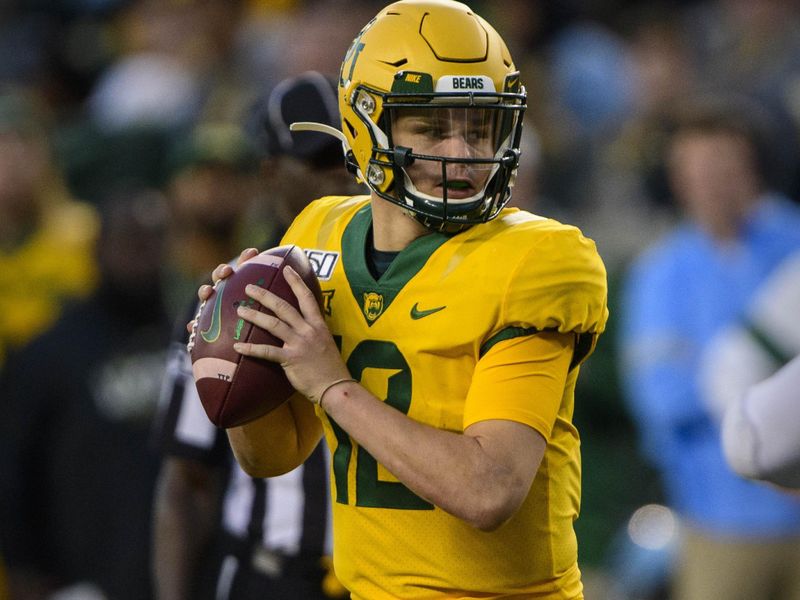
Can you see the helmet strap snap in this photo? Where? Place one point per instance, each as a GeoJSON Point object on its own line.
{"type": "Point", "coordinates": [402, 156]}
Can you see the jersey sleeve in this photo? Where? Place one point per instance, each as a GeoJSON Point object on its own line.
{"type": "Point", "coordinates": [521, 379]}
{"type": "Point", "coordinates": [553, 308]}
{"type": "Point", "coordinates": [559, 284]}
{"type": "Point", "coordinates": [313, 225]}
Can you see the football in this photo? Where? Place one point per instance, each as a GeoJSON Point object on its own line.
{"type": "Point", "coordinates": [233, 388]}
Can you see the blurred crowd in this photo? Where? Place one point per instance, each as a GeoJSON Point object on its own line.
{"type": "Point", "coordinates": [130, 148]}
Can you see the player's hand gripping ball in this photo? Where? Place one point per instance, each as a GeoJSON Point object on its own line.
{"type": "Point", "coordinates": [233, 388]}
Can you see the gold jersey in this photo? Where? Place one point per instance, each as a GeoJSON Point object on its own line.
{"type": "Point", "coordinates": [414, 338]}
{"type": "Point", "coordinates": [54, 265]}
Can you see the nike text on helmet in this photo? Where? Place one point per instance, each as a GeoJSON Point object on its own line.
{"type": "Point", "coordinates": [442, 64]}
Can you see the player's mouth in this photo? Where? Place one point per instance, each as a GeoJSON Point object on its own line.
{"type": "Point", "coordinates": [458, 188]}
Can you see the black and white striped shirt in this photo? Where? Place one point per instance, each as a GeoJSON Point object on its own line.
{"type": "Point", "coordinates": [289, 514]}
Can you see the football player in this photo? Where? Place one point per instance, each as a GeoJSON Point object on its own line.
{"type": "Point", "coordinates": [442, 365]}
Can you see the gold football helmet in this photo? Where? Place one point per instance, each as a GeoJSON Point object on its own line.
{"type": "Point", "coordinates": [428, 91]}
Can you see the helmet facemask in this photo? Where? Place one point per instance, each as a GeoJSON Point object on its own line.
{"type": "Point", "coordinates": [451, 157]}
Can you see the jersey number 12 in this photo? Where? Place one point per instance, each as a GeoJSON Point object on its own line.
{"type": "Point", "coordinates": [370, 491]}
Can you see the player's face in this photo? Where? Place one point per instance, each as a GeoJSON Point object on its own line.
{"type": "Point", "coordinates": [454, 133]}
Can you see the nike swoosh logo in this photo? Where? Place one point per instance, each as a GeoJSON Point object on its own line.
{"type": "Point", "coordinates": [212, 333]}
{"type": "Point", "coordinates": [416, 313]}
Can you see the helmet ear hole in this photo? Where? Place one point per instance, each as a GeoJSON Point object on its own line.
{"type": "Point", "coordinates": [350, 163]}
{"type": "Point", "coordinates": [350, 160]}
{"type": "Point", "coordinates": [350, 128]}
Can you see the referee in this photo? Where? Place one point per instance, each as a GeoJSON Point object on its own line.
{"type": "Point", "coordinates": [220, 534]}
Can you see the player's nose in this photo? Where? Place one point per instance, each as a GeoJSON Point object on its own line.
{"type": "Point", "coordinates": [455, 146]}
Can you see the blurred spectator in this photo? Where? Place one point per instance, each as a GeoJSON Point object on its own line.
{"type": "Point", "coordinates": [212, 184]}
{"type": "Point", "coordinates": [220, 533]}
{"type": "Point", "coordinates": [320, 32]}
{"type": "Point", "coordinates": [766, 337]}
{"type": "Point", "coordinates": [754, 48]}
{"type": "Point", "coordinates": [627, 174]}
{"type": "Point", "coordinates": [171, 69]}
{"type": "Point", "coordinates": [578, 96]}
{"type": "Point", "coordinates": [173, 55]}
{"type": "Point", "coordinates": [679, 294]}
{"type": "Point", "coordinates": [75, 496]}
{"type": "Point", "coordinates": [592, 78]}
{"type": "Point", "coordinates": [46, 237]}
{"type": "Point", "coordinates": [292, 161]}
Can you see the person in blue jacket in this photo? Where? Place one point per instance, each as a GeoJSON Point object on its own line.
{"type": "Point", "coordinates": [738, 536]}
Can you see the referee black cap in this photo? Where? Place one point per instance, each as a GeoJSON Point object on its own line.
{"type": "Point", "coordinates": [310, 96]}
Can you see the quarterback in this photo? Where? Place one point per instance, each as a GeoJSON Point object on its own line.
{"type": "Point", "coordinates": [441, 368]}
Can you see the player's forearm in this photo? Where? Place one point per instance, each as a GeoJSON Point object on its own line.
{"type": "Point", "coordinates": [451, 470]}
{"type": "Point", "coordinates": [277, 442]}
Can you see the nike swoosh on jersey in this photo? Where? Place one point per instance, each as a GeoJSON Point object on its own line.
{"type": "Point", "coordinates": [416, 313]}
{"type": "Point", "coordinates": [212, 333]}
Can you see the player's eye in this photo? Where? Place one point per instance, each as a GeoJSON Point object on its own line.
{"type": "Point", "coordinates": [478, 133]}
{"type": "Point", "coordinates": [427, 128]}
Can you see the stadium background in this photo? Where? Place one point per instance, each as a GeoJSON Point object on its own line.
{"type": "Point", "coordinates": [110, 85]}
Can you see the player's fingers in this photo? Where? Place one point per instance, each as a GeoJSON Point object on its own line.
{"type": "Point", "coordinates": [265, 351]}
{"type": "Point", "coordinates": [246, 255]}
{"type": "Point", "coordinates": [282, 309]}
{"type": "Point", "coordinates": [309, 306]}
{"type": "Point", "coordinates": [204, 291]}
{"type": "Point", "coordinates": [221, 272]}
{"type": "Point", "coordinates": [265, 321]}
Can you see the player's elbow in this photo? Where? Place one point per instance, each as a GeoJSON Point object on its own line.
{"type": "Point", "coordinates": [255, 465]}
{"type": "Point", "coordinates": [490, 518]}
{"type": "Point", "coordinates": [260, 459]}
{"type": "Point", "coordinates": [259, 469]}
{"type": "Point", "coordinates": [494, 508]}
{"type": "Point", "coordinates": [488, 522]}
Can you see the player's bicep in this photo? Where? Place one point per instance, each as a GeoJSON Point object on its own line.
{"type": "Point", "coordinates": [521, 379]}
{"type": "Point", "coordinates": [279, 441]}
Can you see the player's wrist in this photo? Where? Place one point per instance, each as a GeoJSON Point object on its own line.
{"type": "Point", "coordinates": [330, 388]}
